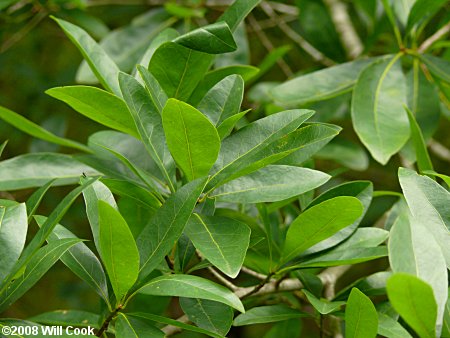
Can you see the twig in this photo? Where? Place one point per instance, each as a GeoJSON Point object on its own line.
{"type": "Point", "coordinates": [222, 279]}
{"type": "Point", "coordinates": [305, 45]}
{"type": "Point", "coordinates": [439, 150]}
{"type": "Point", "coordinates": [268, 44]}
{"type": "Point", "coordinates": [171, 330]}
{"type": "Point", "coordinates": [255, 274]}
{"type": "Point", "coordinates": [435, 37]}
{"type": "Point", "coordinates": [344, 26]}
{"type": "Point", "coordinates": [105, 324]}
{"type": "Point", "coordinates": [283, 8]}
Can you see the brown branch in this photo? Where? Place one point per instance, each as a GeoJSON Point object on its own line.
{"type": "Point", "coordinates": [108, 320]}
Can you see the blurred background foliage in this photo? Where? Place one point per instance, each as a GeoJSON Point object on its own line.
{"type": "Point", "coordinates": [282, 38]}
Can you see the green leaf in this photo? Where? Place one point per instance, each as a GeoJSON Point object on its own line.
{"type": "Point", "coordinates": [39, 264]}
{"type": "Point", "coordinates": [223, 100]}
{"type": "Point", "coordinates": [241, 56]}
{"type": "Point", "coordinates": [183, 11]}
{"type": "Point", "coordinates": [127, 327]}
{"type": "Point", "coordinates": [373, 285]}
{"type": "Point", "coordinates": [215, 76]}
{"type": "Point", "coordinates": [413, 299]}
{"type": "Point", "coordinates": [191, 137]}
{"type": "Point", "coordinates": [286, 328]}
{"type": "Point", "coordinates": [413, 250]}
{"type": "Point", "coordinates": [2, 147]}
{"type": "Point", "coordinates": [270, 184]}
{"type": "Point", "coordinates": [118, 250]}
{"type": "Point", "coordinates": [378, 115]}
{"type": "Point", "coordinates": [346, 153]}
{"type": "Point", "coordinates": [270, 60]}
{"type": "Point", "coordinates": [35, 199]}
{"type": "Point", "coordinates": [239, 150]}
{"type": "Point", "coordinates": [209, 315]}
{"type": "Point", "coordinates": [390, 328]}
{"type": "Point", "coordinates": [101, 64]}
{"type": "Point", "coordinates": [362, 190]}
{"type": "Point", "coordinates": [320, 85]}
{"type": "Point", "coordinates": [422, 11]}
{"type": "Point", "coordinates": [179, 69]}
{"type": "Point", "coordinates": [267, 314]}
{"type": "Point", "coordinates": [67, 317]}
{"type": "Point", "coordinates": [438, 67]}
{"type": "Point", "coordinates": [92, 195]}
{"type": "Point", "coordinates": [165, 35]}
{"type": "Point", "coordinates": [176, 323]}
{"type": "Point", "coordinates": [445, 178]}
{"type": "Point", "coordinates": [318, 223]}
{"type": "Point", "coordinates": [148, 122]}
{"type": "Point", "coordinates": [80, 260]}
{"type": "Point", "coordinates": [13, 232]}
{"type": "Point", "coordinates": [25, 125]}
{"type": "Point", "coordinates": [226, 127]}
{"type": "Point", "coordinates": [191, 287]}
{"type": "Point", "coordinates": [167, 225]}
{"type": "Point", "coordinates": [361, 319]}
{"type": "Point", "coordinates": [302, 144]}
{"type": "Point", "coordinates": [212, 39]}
{"type": "Point", "coordinates": [402, 9]}
{"type": "Point", "coordinates": [322, 305]}
{"type": "Point", "coordinates": [423, 158]}
{"type": "Point", "coordinates": [222, 241]}
{"type": "Point", "coordinates": [98, 105]}
{"type": "Point", "coordinates": [35, 170]}
{"type": "Point", "coordinates": [126, 45]}
{"type": "Point", "coordinates": [154, 89]}
{"type": "Point", "coordinates": [236, 13]}
{"type": "Point", "coordinates": [337, 257]}
{"type": "Point", "coordinates": [428, 202]}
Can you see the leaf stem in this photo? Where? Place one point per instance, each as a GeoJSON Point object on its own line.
{"type": "Point", "coordinates": [108, 320]}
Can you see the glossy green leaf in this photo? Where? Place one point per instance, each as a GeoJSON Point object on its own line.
{"type": "Point", "coordinates": [423, 158]}
{"type": "Point", "coordinates": [361, 319]}
{"type": "Point", "coordinates": [67, 317]}
{"type": "Point", "coordinates": [223, 100]}
{"type": "Point", "coordinates": [209, 315]}
{"type": "Point", "coordinates": [373, 285]}
{"type": "Point", "coordinates": [226, 127]}
{"type": "Point", "coordinates": [241, 56]}
{"type": "Point", "coordinates": [337, 257]}
{"type": "Point", "coordinates": [133, 191]}
{"type": "Point", "coordinates": [378, 115]}
{"type": "Point", "coordinates": [306, 142]}
{"type": "Point", "coordinates": [98, 105]}
{"type": "Point", "coordinates": [215, 38]}
{"type": "Point", "coordinates": [428, 202]}
{"type": "Point", "coordinates": [215, 76]}
{"type": "Point", "coordinates": [236, 13]}
{"type": "Point", "coordinates": [239, 150]}
{"type": "Point", "coordinates": [176, 323]}
{"type": "Point", "coordinates": [80, 260]}
{"type": "Point", "coordinates": [35, 170]}
{"type": "Point", "coordinates": [285, 328]}
{"type": "Point", "coordinates": [362, 190]}
{"type": "Point", "coordinates": [179, 69]}
{"type": "Point", "coordinates": [318, 223]}
{"type": "Point", "coordinates": [320, 85]}
{"type": "Point", "coordinates": [92, 195]}
{"type": "Point", "coordinates": [166, 35]}
{"type": "Point", "coordinates": [422, 11]}
{"type": "Point", "coordinates": [13, 232]}
{"type": "Point", "coordinates": [346, 153]}
{"type": "Point", "coordinates": [154, 89]}
{"type": "Point", "coordinates": [267, 314]}
{"type": "Point", "coordinates": [35, 199]}
{"type": "Point", "coordinates": [413, 250]}
{"type": "Point", "coordinates": [321, 305]}
{"type": "Point", "coordinates": [148, 122]}
{"type": "Point", "coordinates": [270, 184]}
{"type": "Point", "coordinates": [126, 45]}
{"type": "Point", "coordinates": [39, 264]}
{"type": "Point", "coordinates": [390, 328]}
{"type": "Point", "coordinates": [445, 178]}
{"type": "Point", "coordinates": [192, 139]}
{"type": "Point", "coordinates": [25, 125]}
{"type": "Point", "coordinates": [130, 327]}
{"type": "Point", "coordinates": [402, 9]}
{"type": "Point", "coordinates": [413, 299]}
{"type": "Point", "coordinates": [439, 67]}
{"type": "Point", "coordinates": [166, 226]}
{"type": "Point", "coordinates": [222, 241]}
{"type": "Point", "coordinates": [101, 64]}
{"type": "Point", "coordinates": [118, 250]}
{"type": "Point", "coordinates": [191, 287]}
